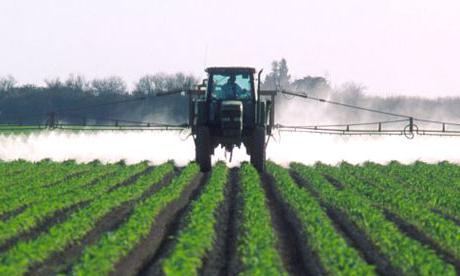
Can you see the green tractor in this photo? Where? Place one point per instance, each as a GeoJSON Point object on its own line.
{"type": "Point", "coordinates": [229, 110]}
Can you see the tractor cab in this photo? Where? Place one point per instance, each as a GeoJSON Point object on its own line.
{"type": "Point", "coordinates": [228, 85]}
{"type": "Point", "coordinates": [231, 99]}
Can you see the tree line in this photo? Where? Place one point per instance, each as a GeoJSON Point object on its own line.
{"type": "Point", "coordinates": [31, 104]}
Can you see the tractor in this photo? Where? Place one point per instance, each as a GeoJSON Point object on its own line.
{"type": "Point", "coordinates": [229, 110]}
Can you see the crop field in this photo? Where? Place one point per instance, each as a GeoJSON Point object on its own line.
{"type": "Point", "coordinates": [73, 218]}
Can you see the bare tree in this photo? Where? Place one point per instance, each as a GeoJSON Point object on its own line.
{"type": "Point", "coordinates": [55, 83]}
{"type": "Point", "coordinates": [279, 76]}
{"type": "Point", "coordinates": [77, 82]}
{"type": "Point", "coordinates": [145, 85]}
{"type": "Point", "coordinates": [110, 85]}
{"type": "Point", "coordinates": [151, 84]}
{"type": "Point", "coordinates": [7, 83]}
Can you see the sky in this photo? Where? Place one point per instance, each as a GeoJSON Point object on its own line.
{"type": "Point", "coordinates": [391, 47]}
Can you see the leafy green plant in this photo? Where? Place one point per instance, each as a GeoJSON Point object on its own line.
{"type": "Point", "coordinates": [256, 240]}
{"type": "Point", "coordinates": [33, 214]}
{"type": "Point", "coordinates": [335, 255]}
{"type": "Point", "coordinates": [24, 254]}
{"type": "Point", "coordinates": [196, 238]}
{"type": "Point", "coordinates": [100, 258]}
{"type": "Point", "coordinates": [404, 253]}
{"type": "Point", "coordinates": [397, 200]}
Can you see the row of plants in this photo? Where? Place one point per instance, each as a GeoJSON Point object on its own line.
{"type": "Point", "coordinates": [14, 170]}
{"type": "Point", "coordinates": [403, 253]}
{"type": "Point", "coordinates": [256, 240]}
{"type": "Point", "coordinates": [34, 196]}
{"type": "Point", "coordinates": [100, 258]}
{"type": "Point", "coordinates": [18, 259]}
{"type": "Point", "coordinates": [422, 186]}
{"type": "Point", "coordinates": [41, 176]}
{"type": "Point", "coordinates": [448, 174]}
{"type": "Point", "coordinates": [397, 201]}
{"type": "Point", "coordinates": [34, 214]}
{"type": "Point", "coordinates": [336, 257]}
{"type": "Point", "coordinates": [197, 237]}
{"type": "Point", "coordinates": [16, 167]}
{"type": "Point", "coordinates": [444, 174]}
{"type": "Point", "coordinates": [21, 166]}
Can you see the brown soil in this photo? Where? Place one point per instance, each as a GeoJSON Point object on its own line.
{"type": "Point", "coordinates": [217, 261]}
{"type": "Point", "coordinates": [231, 264]}
{"type": "Point", "coordinates": [61, 261]}
{"type": "Point", "coordinates": [142, 255]}
{"type": "Point", "coordinates": [293, 244]}
{"type": "Point", "coordinates": [173, 227]}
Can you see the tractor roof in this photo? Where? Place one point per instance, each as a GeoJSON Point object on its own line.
{"type": "Point", "coordinates": [230, 69]}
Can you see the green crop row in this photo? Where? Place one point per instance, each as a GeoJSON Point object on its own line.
{"type": "Point", "coordinates": [35, 196]}
{"type": "Point", "coordinates": [196, 239]}
{"type": "Point", "coordinates": [335, 255]}
{"type": "Point", "coordinates": [100, 258]}
{"type": "Point", "coordinates": [444, 232]}
{"type": "Point", "coordinates": [35, 179]}
{"type": "Point", "coordinates": [26, 171]}
{"type": "Point", "coordinates": [18, 259]}
{"type": "Point", "coordinates": [14, 170]}
{"type": "Point", "coordinates": [256, 240]}
{"type": "Point", "coordinates": [425, 186]}
{"type": "Point", "coordinates": [446, 173]}
{"type": "Point", "coordinates": [34, 214]}
{"type": "Point", "coordinates": [408, 255]}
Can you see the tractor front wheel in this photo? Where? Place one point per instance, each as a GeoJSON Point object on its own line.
{"type": "Point", "coordinates": [202, 152]}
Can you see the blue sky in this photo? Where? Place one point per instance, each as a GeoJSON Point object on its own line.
{"type": "Point", "coordinates": [392, 47]}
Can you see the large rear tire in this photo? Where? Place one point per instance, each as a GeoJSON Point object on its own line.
{"type": "Point", "coordinates": [202, 152]}
{"type": "Point", "coordinates": [258, 149]}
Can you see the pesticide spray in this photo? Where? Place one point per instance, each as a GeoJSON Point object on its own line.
{"type": "Point", "coordinates": [158, 147]}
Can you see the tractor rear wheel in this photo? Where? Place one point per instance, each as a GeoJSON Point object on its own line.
{"type": "Point", "coordinates": [202, 152]}
{"type": "Point", "coordinates": [258, 149]}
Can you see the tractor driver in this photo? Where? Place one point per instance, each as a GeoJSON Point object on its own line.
{"type": "Point", "coordinates": [231, 90]}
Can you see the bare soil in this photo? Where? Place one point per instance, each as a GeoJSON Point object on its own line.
{"type": "Point", "coordinates": [215, 260]}
{"type": "Point", "coordinates": [289, 245]}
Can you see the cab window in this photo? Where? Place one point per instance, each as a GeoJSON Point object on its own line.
{"type": "Point", "coordinates": [228, 86]}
